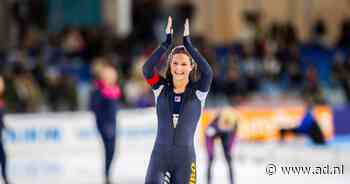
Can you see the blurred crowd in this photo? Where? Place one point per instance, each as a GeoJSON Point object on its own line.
{"type": "Point", "coordinates": [51, 71]}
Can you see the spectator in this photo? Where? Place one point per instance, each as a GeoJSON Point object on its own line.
{"type": "Point", "coordinates": [294, 72]}
{"type": "Point", "coordinates": [344, 37]}
{"type": "Point", "coordinates": [234, 87]}
{"type": "Point", "coordinates": [26, 90]}
{"type": "Point", "coordinates": [137, 92]}
{"type": "Point", "coordinates": [271, 66]}
{"type": "Point", "coordinates": [251, 68]}
{"type": "Point", "coordinates": [311, 89]}
{"type": "Point", "coordinates": [340, 71]}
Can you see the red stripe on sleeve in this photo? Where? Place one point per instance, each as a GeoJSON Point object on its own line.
{"type": "Point", "coordinates": [152, 81]}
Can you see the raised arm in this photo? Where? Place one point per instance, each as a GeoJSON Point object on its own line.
{"type": "Point", "coordinates": [203, 66]}
{"type": "Point", "coordinates": [149, 68]}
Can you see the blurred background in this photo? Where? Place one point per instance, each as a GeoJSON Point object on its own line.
{"type": "Point", "coordinates": [268, 57]}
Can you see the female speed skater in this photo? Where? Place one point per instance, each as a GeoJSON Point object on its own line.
{"type": "Point", "coordinates": [223, 127]}
{"type": "Point", "coordinates": [3, 159]}
{"type": "Point", "coordinates": [104, 104]}
{"type": "Point", "coordinates": [179, 101]}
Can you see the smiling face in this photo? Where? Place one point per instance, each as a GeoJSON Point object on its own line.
{"type": "Point", "coordinates": [181, 67]}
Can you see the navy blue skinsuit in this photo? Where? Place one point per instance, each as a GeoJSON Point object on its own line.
{"type": "Point", "coordinates": [173, 158]}
{"type": "Point", "coordinates": [103, 102]}
{"type": "Point", "coordinates": [2, 151]}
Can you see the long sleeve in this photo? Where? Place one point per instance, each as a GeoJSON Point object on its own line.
{"type": "Point", "coordinates": [149, 68]}
{"type": "Point", "coordinates": [203, 66]}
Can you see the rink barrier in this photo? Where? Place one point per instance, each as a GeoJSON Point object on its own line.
{"type": "Point", "coordinates": [72, 129]}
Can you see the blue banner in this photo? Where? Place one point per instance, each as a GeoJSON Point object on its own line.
{"type": "Point", "coordinates": [341, 120]}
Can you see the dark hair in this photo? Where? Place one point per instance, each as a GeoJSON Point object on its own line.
{"type": "Point", "coordinates": [194, 74]}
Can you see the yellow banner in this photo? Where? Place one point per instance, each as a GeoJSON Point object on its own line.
{"type": "Point", "coordinates": [264, 123]}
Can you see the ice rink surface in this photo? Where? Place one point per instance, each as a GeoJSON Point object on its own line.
{"type": "Point", "coordinates": [84, 166]}
{"type": "Point", "coordinates": [65, 149]}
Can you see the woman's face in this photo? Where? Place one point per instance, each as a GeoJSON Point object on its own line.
{"type": "Point", "coordinates": [109, 75]}
{"type": "Point", "coordinates": [180, 67]}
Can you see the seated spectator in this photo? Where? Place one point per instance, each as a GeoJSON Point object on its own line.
{"type": "Point", "coordinates": [311, 89]}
